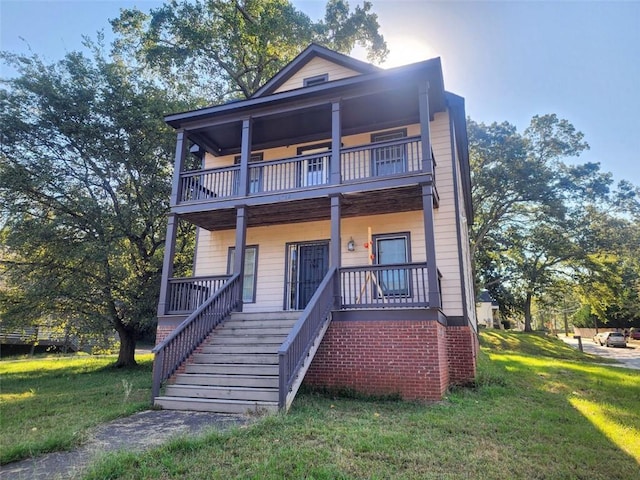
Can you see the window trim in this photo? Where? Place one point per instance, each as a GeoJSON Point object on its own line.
{"type": "Point", "coordinates": [408, 291]}
{"type": "Point", "coordinates": [315, 80]}
{"type": "Point", "coordinates": [375, 138]}
{"type": "Point", "coordinates": [230, 252]}
{"type": "Point", "coordinates": [254, 158]}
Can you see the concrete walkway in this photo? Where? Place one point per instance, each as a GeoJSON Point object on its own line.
{"type": "Point", "coordinates": [138, 432]}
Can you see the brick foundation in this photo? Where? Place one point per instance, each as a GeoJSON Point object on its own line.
{"type": "Point", "coordinates": [462, 348]}
{"type": "Point", "coordinates": [402, 357]}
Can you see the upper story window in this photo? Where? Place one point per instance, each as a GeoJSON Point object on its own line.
{"type": "Point", "coordinates": [317, 80]}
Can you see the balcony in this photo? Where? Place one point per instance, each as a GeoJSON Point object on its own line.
{"type": "Point", "coordinates": [372, 162]}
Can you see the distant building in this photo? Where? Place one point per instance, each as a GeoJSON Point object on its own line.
{"type": "Point", "coordinates": [486, 307]}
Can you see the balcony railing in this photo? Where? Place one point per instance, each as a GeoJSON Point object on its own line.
{"type": "Point", "coordinates": [384, 286]}
{"type": "Point", "coordinates": [184, 295]}
{"type": "Point", "coordinates": [374, 160]}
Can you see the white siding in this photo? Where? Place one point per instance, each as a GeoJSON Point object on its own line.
{"type": "Point", "coordinates": [317, 66]}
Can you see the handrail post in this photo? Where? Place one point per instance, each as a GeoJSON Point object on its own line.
{"type": "Point", "coordinates": [158, 364]}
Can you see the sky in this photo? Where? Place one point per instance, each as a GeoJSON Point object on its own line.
{"type": "Point", "coordinates": [510, 60]}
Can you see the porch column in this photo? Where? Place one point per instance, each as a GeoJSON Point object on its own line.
{"type": "Point", "coordinates": [425, 132]}
{"type": "Point", "coordinates": [336, 143]}
{"type": "Point", "coordinates": [167, 264]}
{"type": "Point", "coordinates": [430, 245]}
{"type": "Point", "coordinates": [241, 243]}
{"type": "Point", "coordinates": [245, 156]}
{"type": "Point", "coordinates": [336, 247]}
{"type": "Point", "coordinates": [180, 156]}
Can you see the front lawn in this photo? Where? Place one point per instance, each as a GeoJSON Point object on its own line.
{"type": "Point", "coordinates": [47, 403]}
{"type": "Point", "coordinates": [540, 410]}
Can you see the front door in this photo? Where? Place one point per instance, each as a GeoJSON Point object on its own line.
{"type": "Point", "coordinates": [308, 264]}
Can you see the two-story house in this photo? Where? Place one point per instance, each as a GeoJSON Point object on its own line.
{"type": "Point", "coordinates": [332, 210]}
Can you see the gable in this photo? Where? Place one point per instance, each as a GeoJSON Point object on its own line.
{"type": "Point", "coordinates": [341, 65]}
{"type": "Point", "coordinates": [316, 67]}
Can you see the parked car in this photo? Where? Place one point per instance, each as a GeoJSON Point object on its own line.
{"type": "Point", "coordinates": [610, 339]}
{"type": "Point", "coordinates": [635, 333]}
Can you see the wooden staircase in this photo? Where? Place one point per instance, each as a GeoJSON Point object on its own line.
{"type": "Point", "coordinates": [237, 368]}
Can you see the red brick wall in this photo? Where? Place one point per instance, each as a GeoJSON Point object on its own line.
{"type": "Point", "coordinates": [462, 347]}
{"type": "Point", "coordinates": [163, 332]}
{"type": "Point", "coordinates": [383, 357]}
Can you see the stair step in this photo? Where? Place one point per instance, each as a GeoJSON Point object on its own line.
{"type": "Point", "coordinates": [269, 330]}
{"type": "Point", "coordinates": [253, 316]}
{"type": "Point", "coordinates": [237, 358]}
{"type": "Point", "coordinates": [225, 393]}
{"type": "Point", "coordinates": [217, 406]}
{"type": "Point", "coordinates": [228, 369]}
{"type": "Point", "coordinates": [236, 339]}
{"type": "Point", "coordinates": [271, 348]}
{"type": "Point", "coordinates": [258, 323]}
{"type": "Point", "coordinates": [253, 381]}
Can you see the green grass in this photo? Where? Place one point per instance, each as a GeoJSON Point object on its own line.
{"type": "Point", "coordinates": [540, 410]}
{"type": "Point", "coordinates": [47, 403]}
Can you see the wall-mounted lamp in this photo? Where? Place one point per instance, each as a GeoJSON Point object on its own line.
{"type": "Point", "coordinates": [351, 245]}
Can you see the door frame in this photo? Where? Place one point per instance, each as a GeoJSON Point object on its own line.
{"type": "Point", "coordinates": [291, 295]}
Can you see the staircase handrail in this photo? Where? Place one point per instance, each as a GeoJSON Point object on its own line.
{"type": "Point", "coordinates": [294, 350]}
{"type": "Point", "coordinates": [179, 344]}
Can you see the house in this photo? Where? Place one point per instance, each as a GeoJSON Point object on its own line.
{"type": "Point", "coordinates": [332, 210]}
{"type": "Point", "coordinates": [486, 307]}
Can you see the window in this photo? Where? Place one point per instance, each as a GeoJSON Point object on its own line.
{"type": "Point", "coordinates": [317, 80]}
{"type": "Point", "coordinates": [255, 172]}
{"type": "Point", "coordinates": [393, 249]}
{"type": "Point", "coordinates": [250, 271]}
{"type": "Point", "coordinates": [314, 170]}
{"type": "Point", "coordinates": [389, 160]}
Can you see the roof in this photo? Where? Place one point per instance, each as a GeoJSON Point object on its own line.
{"type": "Point", "coordinates": [312, 51]}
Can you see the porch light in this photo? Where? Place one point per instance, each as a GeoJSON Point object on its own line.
{"type": "Point", "coordinates": [351, 245]}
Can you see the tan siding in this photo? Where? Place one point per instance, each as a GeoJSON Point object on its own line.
{"type": "Point", "coordinates": [317, 66]}
{"type": "Point", "coordinates": [445, 218]}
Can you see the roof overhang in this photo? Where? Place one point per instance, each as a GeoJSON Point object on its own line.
{"type": "Point", "coordinates": [382, 98]}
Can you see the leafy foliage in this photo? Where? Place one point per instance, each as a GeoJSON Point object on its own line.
{"type": "Point", "coordinates": [540, 221]}
{"type": "Point", "coordinates": [228, 49]}
{"type": "Point", "coordinates": [84, 186]}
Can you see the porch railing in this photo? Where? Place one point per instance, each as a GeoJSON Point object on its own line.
{"type": "Point", "coordinates": [380, 159]}
{"type": "Point", "coordinates": [295, 349]}
{"type": "Point", "coordinates": [184, 295]}
{"type": "Point", "coordinates": [176, 348]}
{"type": "Point", "coordinates": [384, 286]}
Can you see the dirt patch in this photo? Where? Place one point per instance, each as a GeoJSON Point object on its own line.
{"type": "Point", "coordinates": [138, 432]}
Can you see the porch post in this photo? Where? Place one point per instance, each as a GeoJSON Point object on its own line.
{"type": "Point", "coordinates": [430, 245]}
{"type": "Point", "coordinates": [336, 143]}
{"type": "Point", "coordinates": [336, 247]}
{"type": "Point", "coordinates": [241, 242]}
{"type": "Point", "coordinates": [180, 156]}
{"type": "Point", "coordinates": [425, 132]}
{"type": "Point", "coordinates": [245, 156]}
{"type": "Point", "coordinates": [167, 263]}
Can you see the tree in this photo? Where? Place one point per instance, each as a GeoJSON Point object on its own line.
{"type": "Point", "coordinates": [530, 207]}
{"type": "Point", "coordinates": [85, 166]}
{"type": "Point", "coordinates": [228, 49]}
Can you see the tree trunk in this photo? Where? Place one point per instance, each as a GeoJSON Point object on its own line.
{"type": "Point", "coordinates": [126, 355]}
{"type": "Point", "coordinates": [527, 314]}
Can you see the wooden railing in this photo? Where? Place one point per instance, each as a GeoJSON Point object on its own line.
{"type": "Point", "coordinates": [381, 159]}
{"type": "Point", "coordinates": [176, 348]}
{"type": "Point", "coordinates": [393, 157]}
{"type": "Point", "coordinates": [296, 348]}
{"type": "Point", "coordinates": [384, 286]}
{"type": "Point", "coordinates": [186, 294]}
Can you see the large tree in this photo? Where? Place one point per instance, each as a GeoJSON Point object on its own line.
{"type": "Point", "coordinates": [85, 163]}
{"type": "Point", "coordinates": [224, 49]}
